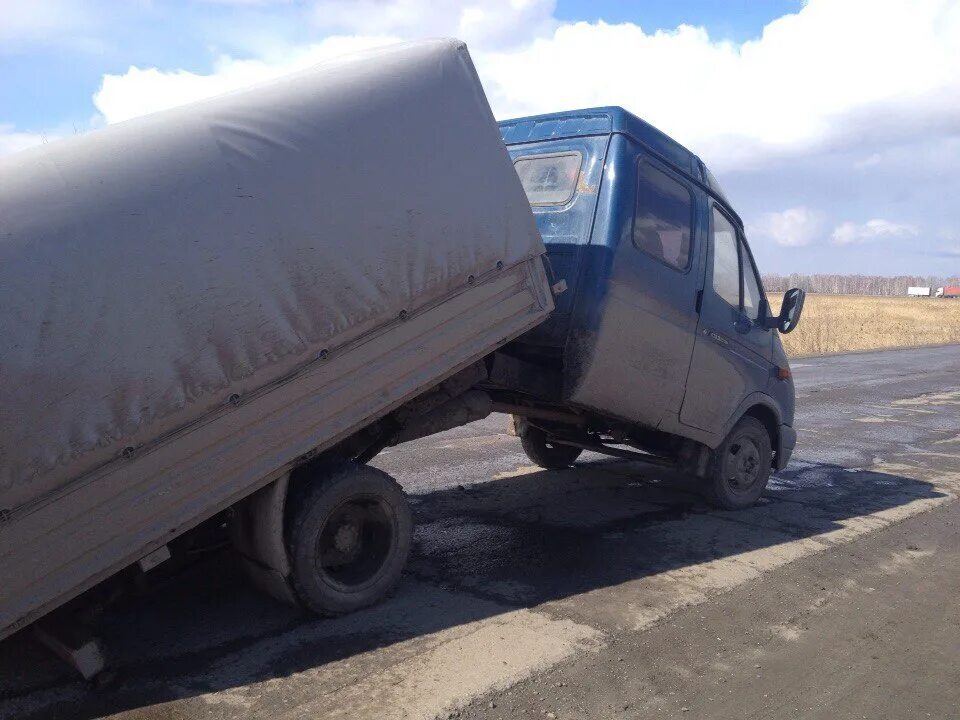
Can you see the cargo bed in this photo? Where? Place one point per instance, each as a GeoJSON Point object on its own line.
{"type": "Point", "coordinates": [196, 301]}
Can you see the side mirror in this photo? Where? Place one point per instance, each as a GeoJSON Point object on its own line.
{"type": "Point", "coordinates": [790, 310]}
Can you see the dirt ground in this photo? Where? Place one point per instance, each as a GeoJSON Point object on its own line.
{"type": "Point", "coordinates": [868, 631]}
{"type": "Point", "coordinates": [607, 590]}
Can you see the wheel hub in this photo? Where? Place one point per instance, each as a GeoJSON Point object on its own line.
{"type": "Point", "coordinates": [356, 542]}
{"type": "Point", "coordinates": [742, 465]}
{"type": "Point", "coordinates": [347, 538]}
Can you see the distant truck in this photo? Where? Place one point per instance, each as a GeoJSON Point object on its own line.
{"type": "Point", "coordinates": [226, 310]}
{"type": "Point", "coordinates": [951, 291]}
{"type": "Point", "coordinates": [914, 291]}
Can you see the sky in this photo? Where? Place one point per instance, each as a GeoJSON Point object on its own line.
{"type": "Point", "coordinates": [833, 125]}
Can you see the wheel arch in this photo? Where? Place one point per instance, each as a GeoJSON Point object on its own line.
{"type": "Point", "coordinates": [770, 421]}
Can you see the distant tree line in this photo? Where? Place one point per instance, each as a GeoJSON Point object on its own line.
{"type": "Point", "coordinates": [855, 284]}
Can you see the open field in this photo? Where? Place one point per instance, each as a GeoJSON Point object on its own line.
{"type": "Point", "coordinates": [841, 323]}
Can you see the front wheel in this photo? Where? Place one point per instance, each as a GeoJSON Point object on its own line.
{"type": "Point", "coordinates": [545, 453]}
{"type": "Point", "coordinates": [741, 466]}
{"type": "Point", "coordinates": [348, 539]}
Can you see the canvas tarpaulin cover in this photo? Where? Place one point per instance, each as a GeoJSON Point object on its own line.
{"type": "Point", "coordinates": [152, 270]}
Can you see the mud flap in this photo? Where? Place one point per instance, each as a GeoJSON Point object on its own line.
{"type": "Point", "coordinates": [257, 534]}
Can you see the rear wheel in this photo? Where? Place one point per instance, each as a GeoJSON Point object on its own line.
{"type": "Point", "coordinates": [545, 453]}
{"type": "Point", "coordinates": [348, 539]}
{"type": "Point", "coordinates": [741, 466]}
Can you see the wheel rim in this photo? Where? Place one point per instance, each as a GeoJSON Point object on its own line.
{"type": "Point", "coordinates": [355, 543]}
{"type": "Point", "coordinates": [741, 465]}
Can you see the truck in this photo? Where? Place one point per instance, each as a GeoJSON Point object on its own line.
{"type": "Point", "coordinates": [916, 291]}
{"type": "Point", "coordinates": [664, 340]}
{"type": "Point", "coordinates": [226, 310]}
{"type": "Point", "coordinates": [249, 292]}
{"type": "Point", "coordinates": [949, 291]}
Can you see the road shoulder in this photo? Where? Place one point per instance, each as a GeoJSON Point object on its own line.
{"type": "Point", "coordinates": [867, 629]}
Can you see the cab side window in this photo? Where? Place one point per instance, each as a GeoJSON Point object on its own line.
{"type": "Point", "coordinates": [726, 260]}
{"type": "Point", "coordinates": [663, 217]}
{"type": "Point", "coordinates": [752, 290]}
{"type": "Point", "coordinates": [734, 276]}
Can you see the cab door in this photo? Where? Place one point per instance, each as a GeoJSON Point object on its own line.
{"type": "Point", "coordinates": [732, 352]}
{"type": "Point", "coordinates": [641, 351]}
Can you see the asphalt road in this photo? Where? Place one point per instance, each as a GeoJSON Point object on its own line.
{"type": "Point", "coordinates": [609, 590]}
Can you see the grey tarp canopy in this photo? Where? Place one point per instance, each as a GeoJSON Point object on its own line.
{"type": "Point", "coordinates": [152, 270]}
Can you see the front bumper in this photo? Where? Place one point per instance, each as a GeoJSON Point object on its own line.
{"type": "Point", "coordinates": [788, 440]}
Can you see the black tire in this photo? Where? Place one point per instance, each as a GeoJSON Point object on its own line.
{"type": "Point", "coordinates": [740, 467]}
{"type": "Point", "coordinates": [348, 538]}
{"type": "Point", "coordinates": [544, 453]}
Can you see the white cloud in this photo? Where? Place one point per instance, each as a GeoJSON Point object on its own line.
{"type": "Point", "coordinates": [845, 106]}
{"type": "Point", "coordinates": [791, 90]}
{"type": "Point", "coordinates": [484, 23]}
{"type": "Point", "coordinates": [875, 229]}
{"type": "Point", "coordinates": [810, 81]}
{"type": "Point", "coordinates": [367, 23]}
{"type": "Point", "coordinates": [793, 227]}
{"type": "Point", "coordinates": [140, 91]}
{"type": "Point", "coordinates": [12, 140]}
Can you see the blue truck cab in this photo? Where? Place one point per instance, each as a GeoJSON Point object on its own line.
{"type": "Point", "coordinates": [663, 339]}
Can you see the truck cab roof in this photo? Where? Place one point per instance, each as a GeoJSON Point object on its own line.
{"type": "Point", "coordinates": [606, 121]}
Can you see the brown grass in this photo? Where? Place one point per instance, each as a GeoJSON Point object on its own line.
{"type": "Point", "coordinates": [841, 323]}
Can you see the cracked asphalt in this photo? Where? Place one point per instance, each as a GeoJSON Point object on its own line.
{"type": "Point", "coordinates": [606, 590]}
